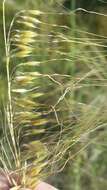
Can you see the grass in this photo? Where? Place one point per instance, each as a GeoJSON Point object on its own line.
{"type": "Point", "coordinates": [55, 112]}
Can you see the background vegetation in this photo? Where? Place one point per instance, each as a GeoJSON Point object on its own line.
{"type": "Point", "coordinates": [85, 55]}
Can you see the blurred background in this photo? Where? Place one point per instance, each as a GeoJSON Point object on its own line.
{"type": "Point", "coordinates": [87, 52]}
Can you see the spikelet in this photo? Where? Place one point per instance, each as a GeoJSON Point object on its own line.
{"type": "Point", "coordinates": [39, 131]}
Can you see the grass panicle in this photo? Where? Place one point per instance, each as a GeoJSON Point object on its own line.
{"type": "Point", "coordinates": [49, 117]}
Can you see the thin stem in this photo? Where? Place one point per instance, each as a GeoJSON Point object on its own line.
{"type": "Point", "coordinates": [9, 106]}
{"type": "Point", "coordinates": [4, 28]}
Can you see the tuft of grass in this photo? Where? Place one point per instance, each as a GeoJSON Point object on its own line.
{"type": "Point", "coordinates": [51, 113]}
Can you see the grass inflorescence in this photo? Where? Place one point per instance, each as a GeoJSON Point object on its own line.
{"type": "Point", "coordinates": [51, 112]}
